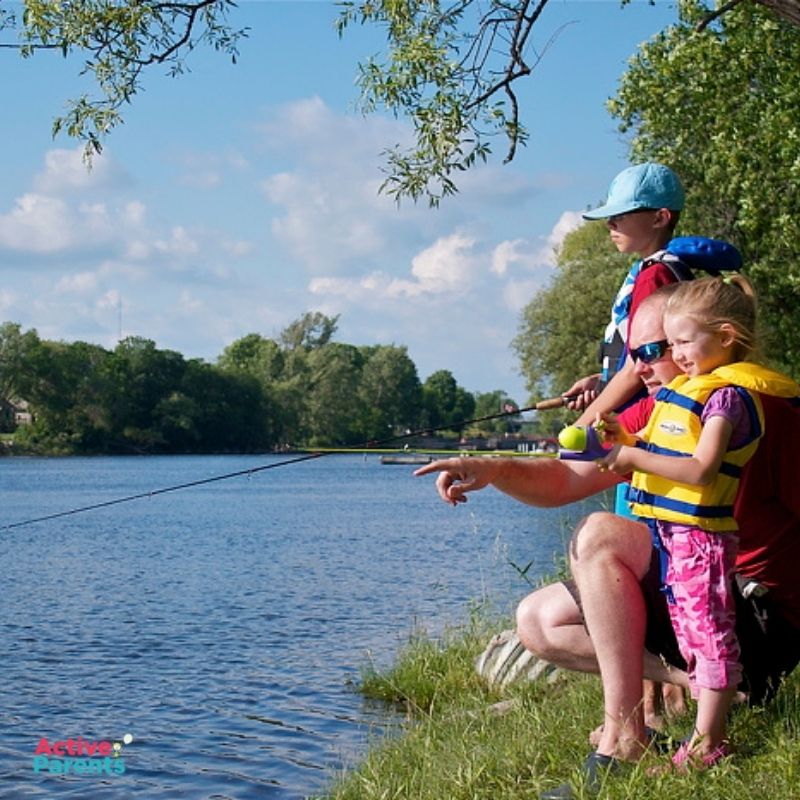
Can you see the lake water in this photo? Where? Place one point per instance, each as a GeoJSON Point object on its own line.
{"type": "Point", "coordinates": [223, 627]}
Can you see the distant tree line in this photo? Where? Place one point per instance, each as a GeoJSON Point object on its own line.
{"type": "Point", "coordinates": [300, 390]}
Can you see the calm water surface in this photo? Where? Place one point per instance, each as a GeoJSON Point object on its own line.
{"type": "Point", "coordinates": [224, 626]}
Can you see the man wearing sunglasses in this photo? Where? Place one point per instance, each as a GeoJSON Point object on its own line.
{"type": "Point", "coordinates": [613, 563]}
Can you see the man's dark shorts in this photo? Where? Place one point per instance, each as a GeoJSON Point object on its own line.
{"type": "Point", "coordinates": [770, 646]}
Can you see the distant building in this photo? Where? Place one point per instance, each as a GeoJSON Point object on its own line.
{"type": "Point", "coordinates": [13, 413]}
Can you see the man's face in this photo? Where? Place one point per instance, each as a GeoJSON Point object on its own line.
{"type": "Point", "coordinates": [647, 327]}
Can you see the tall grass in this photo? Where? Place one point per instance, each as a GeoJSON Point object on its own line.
{"type": "Point", "coordinates": [454, 744]}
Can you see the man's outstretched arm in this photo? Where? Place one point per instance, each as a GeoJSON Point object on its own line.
{"type": "Point", "coordinates": [534, 480]}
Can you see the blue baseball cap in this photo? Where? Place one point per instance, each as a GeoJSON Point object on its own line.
{"type": "Point", "coordinates": [648, 185]}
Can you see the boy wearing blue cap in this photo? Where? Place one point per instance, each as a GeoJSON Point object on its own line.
{"type": "Point", "coordinates": [641, 212]}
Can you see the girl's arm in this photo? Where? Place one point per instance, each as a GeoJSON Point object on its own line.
{"type": "Point", "coordinates": [698, 469]}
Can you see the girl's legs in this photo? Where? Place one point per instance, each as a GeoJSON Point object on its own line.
{"type": "Point", "coordinates": [704, 615]}
{"type": "Point", "coordinates": [712, 712]}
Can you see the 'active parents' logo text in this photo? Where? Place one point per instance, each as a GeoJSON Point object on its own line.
{"type": "Point", "coordinates": [80, 757]}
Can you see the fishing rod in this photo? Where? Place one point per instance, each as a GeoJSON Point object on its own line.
{"type": "Point", "coordinates": [370, 445]}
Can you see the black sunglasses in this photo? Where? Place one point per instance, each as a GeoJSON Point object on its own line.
{"type": "Point", "coordinates": [649, 352]}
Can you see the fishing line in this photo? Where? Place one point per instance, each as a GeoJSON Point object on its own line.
{"type": "Point", "coordinates": [555, 402]}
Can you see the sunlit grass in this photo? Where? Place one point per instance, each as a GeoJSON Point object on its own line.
{"type": "Point", "coordinates": [456, 745]}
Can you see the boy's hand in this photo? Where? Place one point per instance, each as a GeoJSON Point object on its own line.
{"type": "Point", "coordinates": [582, 392]}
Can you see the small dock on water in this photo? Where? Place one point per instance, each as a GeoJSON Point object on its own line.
{"type": "Point", "coordinates": [406, 459]}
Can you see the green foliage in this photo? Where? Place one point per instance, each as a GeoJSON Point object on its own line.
{"type": "Point", "coordinates": [445, 403]}
{"type": "Point", "coordinates": [16, 348]}
{"type": "Point", "coordinates": [561, 328]}
{"type": "Point", "coordinates": [117, 41]}
{"type": "Point", "coordinates": [303, 390]}
{"type": "Point", "coordinates": [390, 393]}
{"type": "Point", "coordinates": [428, 672]}
{"type": "Point", "coordinates": [312, 330]}
{"type": "Point", "coordinates": [490, 403]}
{"type": "Point", "coordinates": [721, 106]}
{"type": "Point", "coordinates": [444, 69]}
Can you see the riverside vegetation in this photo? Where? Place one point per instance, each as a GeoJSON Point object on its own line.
{"type": "Point", "coordinates": [299, 389]}
{"type": "Point", "coordinates": [454, 744]}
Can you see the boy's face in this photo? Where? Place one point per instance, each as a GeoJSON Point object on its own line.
{"type": "Point", "coordinates": [642, 231]}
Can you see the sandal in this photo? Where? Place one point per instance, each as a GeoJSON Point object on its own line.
{"type": "Point", "coordinates": [685, 758]}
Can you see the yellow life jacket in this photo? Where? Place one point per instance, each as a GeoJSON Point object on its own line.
{"type": "Point", "coordinates": [674, 429]}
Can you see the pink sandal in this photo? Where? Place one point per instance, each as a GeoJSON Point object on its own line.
{"type": "Point", "coordinates": [685, 758]}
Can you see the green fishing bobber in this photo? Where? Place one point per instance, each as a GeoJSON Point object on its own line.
{"type": "Point", "coordinates": [573, 437]}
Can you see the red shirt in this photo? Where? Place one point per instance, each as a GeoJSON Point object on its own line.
{"type": "Point", "coordinates": [647, 281]}
{"type": "Point", "coordinates": [767, 506]}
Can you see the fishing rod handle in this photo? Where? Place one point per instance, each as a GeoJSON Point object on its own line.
{"type": "Point", "coordinates": [554, 402]}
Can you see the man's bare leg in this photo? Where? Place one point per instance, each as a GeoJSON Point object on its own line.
{"type": "Point", "coordinates": [609, 555]}
{"type": "Point", "coordinates": [550, 624]}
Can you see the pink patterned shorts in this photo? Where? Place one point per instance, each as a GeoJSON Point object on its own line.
{"type": "Point", "coordinates": [700, 574]}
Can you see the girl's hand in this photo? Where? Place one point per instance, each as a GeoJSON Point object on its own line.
{"type": "Point", "coordinates": [612, 430]}
{"type": "Point", "coordinates": [619, 460]}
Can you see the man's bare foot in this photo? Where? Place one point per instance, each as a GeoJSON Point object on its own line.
{"type": "Point", "coordinates": [673, 699]}
{"type": "Point", "coordinates": [595, 735]}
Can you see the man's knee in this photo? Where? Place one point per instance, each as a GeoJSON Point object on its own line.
{"type": "Point", "coordinates": [541, 613]}
{"type": "Point", "coordinates": [604, 536]}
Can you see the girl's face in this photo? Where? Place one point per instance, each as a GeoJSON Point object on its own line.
{"type": "Point", "coordinates": [640, 231]}
{"type": "Point", "coordinates": [695, 349]}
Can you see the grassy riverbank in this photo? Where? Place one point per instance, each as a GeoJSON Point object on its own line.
{"type": "Point", "coordinates": [456, 744]}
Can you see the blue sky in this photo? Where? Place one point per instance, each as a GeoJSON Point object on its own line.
{"type": "Point", "coordinates": [237, 197]}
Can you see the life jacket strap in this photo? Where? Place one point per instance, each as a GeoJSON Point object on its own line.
{"type": "Point", "coordinates": [641, 497]}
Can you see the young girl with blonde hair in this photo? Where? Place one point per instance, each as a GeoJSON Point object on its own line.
{"type": "Point", "coordinates": [705, 426]}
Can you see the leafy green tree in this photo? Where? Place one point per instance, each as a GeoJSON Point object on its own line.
{"type": "Point", "coordinates": [496, 402]}
{"type": "Point", "coordinates": [310, 331]}
{"type": "Point", "coordinates": [260, 357]}
{"type": "Point", "coordinates": [446, 404]}
{"type": "Point", "coordinates": [264, 361]}
{"type": "Point", "coordinates": [722, 107]}
{"type": "Point", "coordinates": [333, 398]}
{"type": "Point", "coordinates": [560, 330]}
{"type": "Point", "coordinates": [116, 41]}
{"type": "Point", "coordinates": [16, 353]}
{"type": "Point", "coordinates": [67, 387]}
{"type": "Point", "coordinates": [451, 68]}
{"type": "Point", "coordinates": [390, 393]}
{"type": "Point", "coordinates": [217, 410]}
{"type": "Point", "coordinates": [143, 379]}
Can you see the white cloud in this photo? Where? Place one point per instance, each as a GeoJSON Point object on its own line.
{"type": "Point", "coordinates": [39, 224]}
{"type": "Point", "coordinates": [79, 283]}
{"type": "Point", "coordinates": [109, 299]}
{"type": "Point", "coordinates": [446, 266]}
{"type": "Point", "coordinates": [518, 293]}
{"type": "Point", "coordinates": [65, 171]}
{"type": "Point", "coordinates": [508, 253]}
{"type": "Point", "coordinates": [530, 257]}
{"type": "Point", "coordinates": [567, 222]}
{"type": "Point", "coordinates": [179, 243]}
{"type": "Point", "coordinates": [331, 212]}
